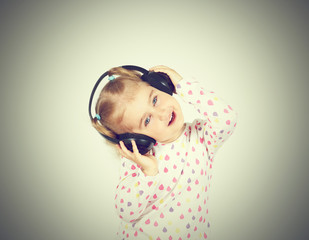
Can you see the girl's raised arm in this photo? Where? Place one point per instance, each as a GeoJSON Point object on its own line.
{"type": "Point", "coordinates": [218, 119]}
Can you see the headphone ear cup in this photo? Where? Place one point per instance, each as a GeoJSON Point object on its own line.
{"type": "Point", "coordinates": [160, 81]}
{"type": "Point", "coordinates": [144, 143]}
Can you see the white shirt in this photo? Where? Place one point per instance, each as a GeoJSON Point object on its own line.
{"type": "Point", "coordinates": [174, 203]}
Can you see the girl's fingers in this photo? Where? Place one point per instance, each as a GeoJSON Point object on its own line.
{"type": "Point", "coordinates": [158, 67]}
{"type": "Point", "coordinates": [123, 150]}
{"type": "Point", "coordinates": [174, 76]}
{"type": "Point", "coordinates": [135, 149]}
{"type": "Point", "coordinates": [121, 146]}
{"type": "Point", "coordinates": [134, 156]}
{"type": "Point", "coordinates": [148, 163]}
{"type": "Point", "coordinates": [136, 152]}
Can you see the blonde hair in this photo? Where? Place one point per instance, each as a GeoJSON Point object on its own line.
{"type": "Point", "coordinates": [111, 103]}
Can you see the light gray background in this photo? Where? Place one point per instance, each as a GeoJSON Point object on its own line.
{"type": "Point", "coordinates": [57, 176]}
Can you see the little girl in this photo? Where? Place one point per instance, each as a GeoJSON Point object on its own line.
{"type": "Point", "coordinates": [164, 193]}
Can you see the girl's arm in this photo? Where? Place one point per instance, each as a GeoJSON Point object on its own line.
{"type": "Point", "coordinates": [134, 192]}
{"type": "Point", "coordinates": [138, 183]}
{"type": "Point", "coordinates": [218, 119]}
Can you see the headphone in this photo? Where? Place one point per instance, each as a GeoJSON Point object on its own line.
{"type": "Point", "coordinates": [158, 80]}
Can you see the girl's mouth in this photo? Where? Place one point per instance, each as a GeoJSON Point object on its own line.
{"type": "Point", "coordinates": [172, 120]}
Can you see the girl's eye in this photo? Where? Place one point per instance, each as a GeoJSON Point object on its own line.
{"type": "Point", "coordinates": [147, 120]}
{"type": "Point", "coordinates": [154, 101]}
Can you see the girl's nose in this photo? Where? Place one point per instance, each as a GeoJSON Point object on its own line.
{"type": "Point", "coordinates": [163, 114]}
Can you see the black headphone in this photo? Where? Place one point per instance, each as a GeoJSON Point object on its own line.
{"type": "Point", "coordinates": [158, 80]}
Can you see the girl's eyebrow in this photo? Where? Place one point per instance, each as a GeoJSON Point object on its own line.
{"type": "Point", "coordinates": [149, 102]}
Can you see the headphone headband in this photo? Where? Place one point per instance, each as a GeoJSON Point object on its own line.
{"type": "Point", "coordinates": [136, 68]}
{"type": "Point", "coordinates": [93, 92]}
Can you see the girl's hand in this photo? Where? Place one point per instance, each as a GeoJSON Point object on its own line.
{"type": "Point", "coordinates": [148, 162]}
{"type": "Point", "coordinates": [174, 76]}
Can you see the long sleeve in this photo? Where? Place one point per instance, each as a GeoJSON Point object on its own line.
{"type": "Point", "coordinates": [134, 192]}
{"type": "Point", "coordinates": [218, 119]}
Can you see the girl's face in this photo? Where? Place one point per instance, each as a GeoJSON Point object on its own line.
{"type": "Point", "coordinates": [154, 113]}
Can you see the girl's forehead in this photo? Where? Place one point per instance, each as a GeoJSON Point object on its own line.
{"type": "Point", "coordinates": [141, 96]}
